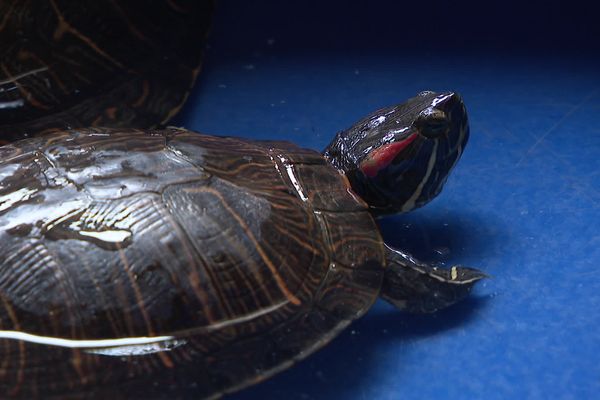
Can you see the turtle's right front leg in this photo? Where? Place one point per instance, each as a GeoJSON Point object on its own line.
{"type": "Point", "coordinates": [416, 287]}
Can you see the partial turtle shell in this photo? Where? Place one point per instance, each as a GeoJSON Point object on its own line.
{"type": "Point", "coordinates": [130, 258]}
{"type": "Point", "coordinates": [67, 64]}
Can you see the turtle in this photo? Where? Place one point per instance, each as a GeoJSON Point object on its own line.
{"type": "Point", "coordinates": [69, 64]}
{"type": "Point", "coordinates": [159, 263]}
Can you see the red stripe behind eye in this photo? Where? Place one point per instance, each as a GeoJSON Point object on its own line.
{"type": "Point", "coordinates": [383, 156]}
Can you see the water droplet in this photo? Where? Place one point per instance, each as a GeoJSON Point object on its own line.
{"type": "Point", "coordinates": [442, 251]}
{"type": "Point", "coordinates": [111, 236]}
{"type": "Point", "coordinates": [71, 227]}
{"type": "Point", "coordinates": [12, 104]}
{"type": "Point", "coordinates": [320, 375]}
{"type": "Point", "coordinates": [16, 197]}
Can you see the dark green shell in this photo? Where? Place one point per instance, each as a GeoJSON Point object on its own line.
{"type": "Point", "coordinates": [66, 64]}
{"type": "Point", "coordinates": [238, 257]}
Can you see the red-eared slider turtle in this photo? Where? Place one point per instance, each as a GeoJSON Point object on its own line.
{"type": "Point", "coordinates": [136, 262]}
{"type": "Point", "coordinates": [68, 64]}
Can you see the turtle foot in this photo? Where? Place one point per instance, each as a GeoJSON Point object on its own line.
{"type": "Point", "coordinates": [416, 287]}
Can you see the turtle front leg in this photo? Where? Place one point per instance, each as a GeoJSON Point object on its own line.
{"type": "Point", "coordinates": [416, 287]}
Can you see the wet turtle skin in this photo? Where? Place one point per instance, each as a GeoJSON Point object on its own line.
{"type": "Point", "coordinates": [68, 64]}
{"type": "Point", "coordinates": [160, 263]}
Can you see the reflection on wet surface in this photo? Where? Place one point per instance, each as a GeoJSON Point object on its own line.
{"type": "Point", "coordinates": [11, 199]}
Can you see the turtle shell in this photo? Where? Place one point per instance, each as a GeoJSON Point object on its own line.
{"type": "Point", "coordinates": [134, 260]}
{"type": "Point", "coordinates": [83, 63]}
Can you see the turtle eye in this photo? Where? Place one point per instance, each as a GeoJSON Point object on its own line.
{"type": "Point", "coordinates": [432, 123]}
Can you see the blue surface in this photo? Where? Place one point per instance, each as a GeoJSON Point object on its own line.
{"type": "Point", "coordinates": [522, 204]}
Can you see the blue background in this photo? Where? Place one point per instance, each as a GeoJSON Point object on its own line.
{"type": "Point", "coordinates": [522, 204]}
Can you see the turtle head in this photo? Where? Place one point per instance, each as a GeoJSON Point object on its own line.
{"type": "Point", "coordinates": [398, 158]}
